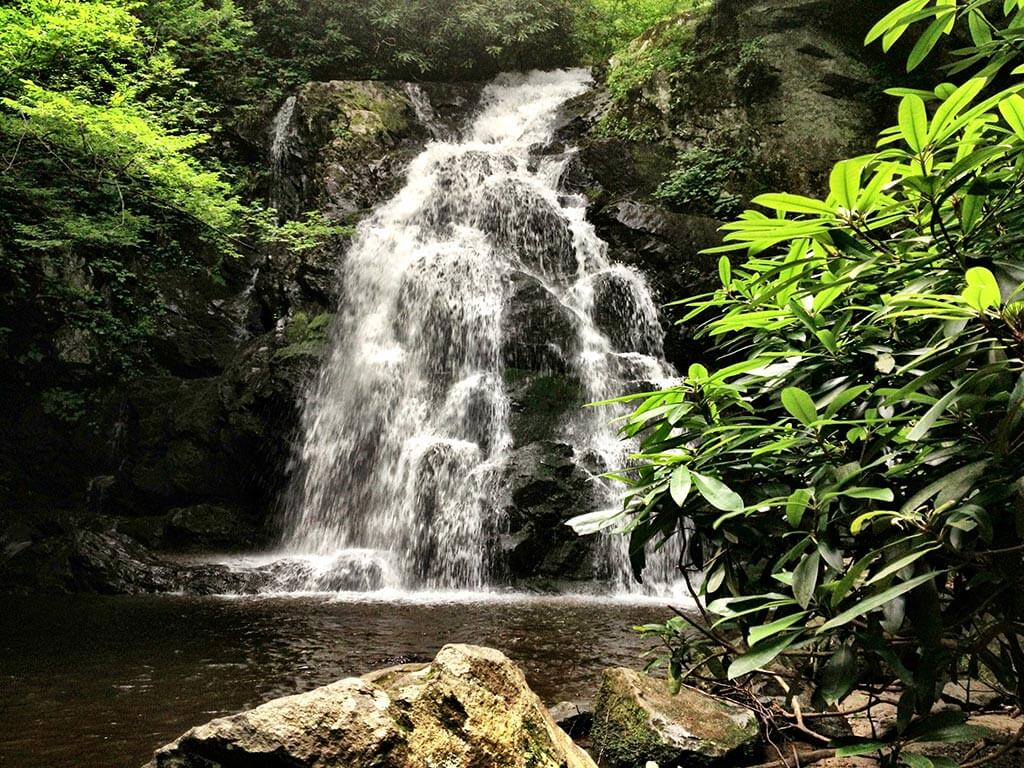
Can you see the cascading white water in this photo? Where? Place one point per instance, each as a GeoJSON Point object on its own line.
{"type": "Point", "coordinates": [283, 132]}
{"type": "Point", "coordinates": [405, 432]}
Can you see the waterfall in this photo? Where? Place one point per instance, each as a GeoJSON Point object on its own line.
{"type": "Point", "coordinates": [405, 432]}
{"type": "Point", "coordinates": [424, 111]}
{"type": "Point", "coordinates": [283, 132]}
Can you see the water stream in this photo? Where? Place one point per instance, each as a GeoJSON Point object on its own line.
{"type": "Point", "coordinates": [405, 432]}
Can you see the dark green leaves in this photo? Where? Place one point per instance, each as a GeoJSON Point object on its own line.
{"type": "Point", "coordinates": [805, 578]}
{"type": "Point", "coordinates": [717, 493]}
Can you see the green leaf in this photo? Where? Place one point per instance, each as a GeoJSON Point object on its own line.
{"type": "Point", "coordinates": [894, 19]}
{"type": "Point", "coordinates": [926, 422]}
{"type": "Point", "coordinates": [1012, 110]}
{"type": "Point", "coordinates": [800, 405]}
{"type": "Point", "coordinates": [796, 505]}
{"type": "Point", "coordinates": [915, 761]}
{"type": "Point", "coordinates": [789, 203]}
{"type": "Point", "coordinates": [982, 291]}
{"type": "Point", "coordinates": [839, 674]}
{"type": "Point", "coordinates": [679, 485]}
{"type": "Point", "coordinates": [929, 38]}
{"type": "Point", "coordinates": [913, 121]}
{"type": "Point", "coordinates": [981, 32]}
{"type": "Point", "coordinates": [725, 271]}
{"type": "Point", "coordinates": [759, 656]}
{"type": "Point", "coordinates": [877, 494]}
{"type": "Point", "coordinates": [757, 634]}
{"type": "Point", "coordinates": [857, 747]}
{"type": "Point", "coordinates": [900, 563]}
{"type": "Point", "coordinates": [874, 602]}
{"type": "Point", "coordinates": [717, 493]}
{"type": "Point", "coordinates": [805, 578]}
{"type": "Point", "coordinates": [844, 182]}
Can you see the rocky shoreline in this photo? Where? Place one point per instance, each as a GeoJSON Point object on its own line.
{"type": "Point", "coordinates": [470, 707]}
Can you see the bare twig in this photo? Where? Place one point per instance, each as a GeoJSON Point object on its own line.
{"type": "Point", "coordinates": [799, 758]}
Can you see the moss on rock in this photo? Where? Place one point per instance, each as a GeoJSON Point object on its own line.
{"type": "Point", "coordinates": [636, 720]}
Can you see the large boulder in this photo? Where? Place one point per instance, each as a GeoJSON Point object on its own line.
{"type": "Point", "coordinates": [636, 720]}
{"type": "Point", "coordinates": [469, 708]}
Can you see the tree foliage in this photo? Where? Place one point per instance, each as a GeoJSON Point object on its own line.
{"type": "Point", "coordinates": [853, 464]}
{"type": "Point", "coordinates": [99, 145]}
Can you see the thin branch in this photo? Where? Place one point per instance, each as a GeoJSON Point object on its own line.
{"type": "Point", "coordinates": [1004, 750]}
{"type": "Point", "coordinates": [799, 758]}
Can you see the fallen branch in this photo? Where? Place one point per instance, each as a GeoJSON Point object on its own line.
{"type": "Point", "coordinates": [1004, 750]}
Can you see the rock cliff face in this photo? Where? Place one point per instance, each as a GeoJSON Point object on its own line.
{"type": "Point", "coordinates": [709, 109]}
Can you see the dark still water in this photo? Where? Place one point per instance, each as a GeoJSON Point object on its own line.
{"type": "Point", "coordinates": [101, 682]}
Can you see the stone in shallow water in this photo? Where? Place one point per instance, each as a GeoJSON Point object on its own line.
{"type": "Point", "coordinates": [636, 719]}
{"type": "Point", "coordinates": [469, 708]}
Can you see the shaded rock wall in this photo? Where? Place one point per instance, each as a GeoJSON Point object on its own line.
{"type": "Point", "coordinates": [707, 110]}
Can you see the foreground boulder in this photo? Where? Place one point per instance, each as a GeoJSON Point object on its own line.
{"type": "Point", "coordinates": [637, 720]}
{"type": "Point", "coordinates": [469, 708]}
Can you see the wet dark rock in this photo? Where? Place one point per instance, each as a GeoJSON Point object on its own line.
{"type": "Point", "coordinates": [65, 558]}
{"type": "Point", "coordinates": [546, 487]}
{"type": "Point", "coordinates": [573, 717]}
{"type": "Point", "coordinates": [209, 527]}
{"type": "Point", "coordinates": [453, 103]}
{"type": "Point", "coordinates": [347, 573]}
{"type": "Point", "coordinates": [620, 315]}
{"type": "Point", "coordinates": [540, 403]}
{"type": "Point", "coordinates": [540, 331]}
{"type": "Point", "coordinates": [540, 238]}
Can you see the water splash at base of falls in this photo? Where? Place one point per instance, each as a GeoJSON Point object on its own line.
{"type": "Point", "coordinates": [405, 432]}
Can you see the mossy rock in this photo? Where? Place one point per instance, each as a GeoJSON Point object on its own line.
{"type": "Point", "coordinates": [636, 720]}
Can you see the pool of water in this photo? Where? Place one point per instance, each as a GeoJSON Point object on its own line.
{"type": "Point", "coordinates": [101, 682]}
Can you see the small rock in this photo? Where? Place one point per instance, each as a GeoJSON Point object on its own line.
{"type": "Point", "coordinates": [636, 719]}
{"type": "Point", "coordinates": [971, 694]}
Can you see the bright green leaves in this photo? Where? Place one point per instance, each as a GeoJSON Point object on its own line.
{"type": "Point", "coordinates": [913, 122]}
{"type": "Point", "coordinates": [1012, 110]}
{"type": "Point", "coordinates": [866, 438]}
{"type": "Point", "coordinates": [787, 203]}
{"type": "Point", "coordinates": [680, 484]}
{"type": "Point", "coordinates": [844, 182]}
{"type": "Point", "coordinates": [800, 405]}
{"type": "Point", "coordinates": [982, 292]}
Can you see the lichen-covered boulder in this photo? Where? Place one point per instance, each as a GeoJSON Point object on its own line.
{"type": "Point", "coordinates": [637, 720]}
{"type": "Point", "coordinates": [469, 708]}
